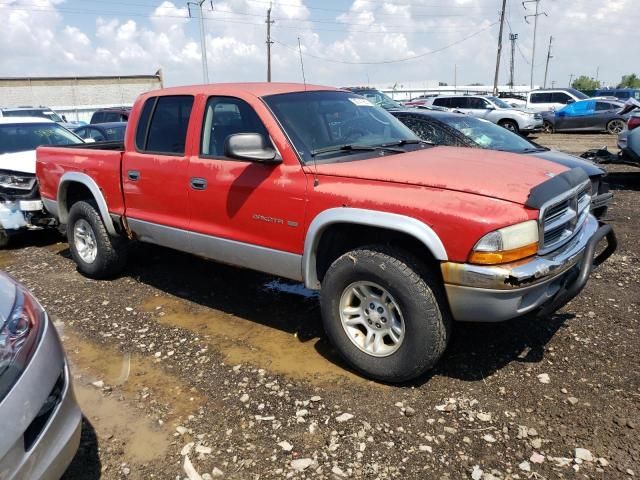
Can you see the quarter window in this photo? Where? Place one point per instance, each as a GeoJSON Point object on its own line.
{"type": "Point", "coordinates": [167, 132]}
{"type": "Point", "coordinates": [225, 116]}
{"type": "Point", "coordinates": [540, 98]}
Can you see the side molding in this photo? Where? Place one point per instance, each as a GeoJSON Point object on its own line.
{"type": "Point", "coordinates": [84, 179]}
{"type": "Point", "coordinates": [359, 216]}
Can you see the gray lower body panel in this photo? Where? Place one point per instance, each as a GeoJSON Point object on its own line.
{"type": "Point", "coordinates": [275, 262]}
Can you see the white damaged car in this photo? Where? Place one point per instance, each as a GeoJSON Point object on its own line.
{"type": "Point", "coordinates": [20, 204]}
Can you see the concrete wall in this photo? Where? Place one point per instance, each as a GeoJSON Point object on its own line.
{"type": "Point", "coordinates": [71, 94]}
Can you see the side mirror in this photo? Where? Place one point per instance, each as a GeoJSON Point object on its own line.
{"type": "Point", "coordinates": [250, 146]}
{"type": "Point", "coordinates": [571, 100]}
{"type": "Point", "coordinates": [490, 107]}
{"type": "Point", "coordinates": [64, 119]}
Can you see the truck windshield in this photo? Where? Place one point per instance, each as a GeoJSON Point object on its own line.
{"type": "Point", "coordinates": [329, 125]}
{"type": "Point", "coordinates": [22, 137]}
{"type": "Point", "coordinates": [489, 135]}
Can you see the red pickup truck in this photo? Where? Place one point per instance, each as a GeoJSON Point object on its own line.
{"type": "Point", "coordinates": [318, 185]}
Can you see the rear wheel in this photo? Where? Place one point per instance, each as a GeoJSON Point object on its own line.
{"type": "Point", "coordinates": [4, 238]}
{"type": "Point", "coordinates": [614, 127]}
{"type": "Point", "coordinates": [548, 127]}
{"type": "Point", "coordinates": [385, 313]}
{"type": "Point", "coordinates": [97, 254]}
{"type": "Point", "coordinates": [509, 125]}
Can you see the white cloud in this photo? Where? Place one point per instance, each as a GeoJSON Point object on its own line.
{"type": "Point", "coordinates": [37, 38]}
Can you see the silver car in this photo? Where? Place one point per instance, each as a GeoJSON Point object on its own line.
{"type": "Point", "coordinates": [493, 109]}
{"type": "Point", "coordinates": [40, 420]}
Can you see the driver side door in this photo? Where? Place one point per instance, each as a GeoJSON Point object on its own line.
{"type": "Point", "coordinates": [242, 209]}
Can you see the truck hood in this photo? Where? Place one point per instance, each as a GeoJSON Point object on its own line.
{"type": "Point", "coordinates": [570, 161]}
{"type": "Point", "coordinates": [500, 175]}
{"type": "Point", "coordinates": [23, 162]}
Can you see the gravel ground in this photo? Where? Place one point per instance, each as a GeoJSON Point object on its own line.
{"type": "Point", "coordinates": [189, 369]}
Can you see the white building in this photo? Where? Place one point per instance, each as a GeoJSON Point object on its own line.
{"type": "Point", "coordinates": [76, 97]}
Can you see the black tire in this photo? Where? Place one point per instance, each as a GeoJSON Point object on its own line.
{"type": "Point", "coordinates": [4, 238]}
{"type": "Point", "coordinates": [111, 251]}
{"type": "Point", "coordinates": [615, 126]}
{"type": "Point", "coordinates": [510, 125]}
{"type": "Point", "coordinates": [420, 297]}
{"type": "Point", "coordinates": [548, 127]}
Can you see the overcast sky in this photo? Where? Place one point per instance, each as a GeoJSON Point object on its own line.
{"type": "Point", "coordinates": [343, 41]}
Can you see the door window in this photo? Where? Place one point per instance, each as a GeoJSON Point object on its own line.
{"type": "Point", "coordinates": [167, 130]}
{"type": "Point", "coordinates": [96, 134]}
{"type": "Point", "coordinates": [442, 102]}
{"type": "Point", "coordinates": [603, 106]}
{"type": "Point", "coordinates": [459, 102]}
{"type": "Point", "coordinates": [560, 97]}
{"type": "Point", "coordinates": [476, 103]}
{"type": "Point", "coordinates": [540, 98]}
{"type": "Point", "coordinates": [225, 116]}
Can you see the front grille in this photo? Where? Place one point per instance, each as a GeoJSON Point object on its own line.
{"type": "Point", "coordinates": [562, 217]}
{"type": "Point", "coordinates": [537, 116]}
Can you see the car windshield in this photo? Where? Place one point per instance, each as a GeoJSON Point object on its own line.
{"type": "Point", "coordinates": [577, 93]}
{"type": "Point", "coordinates": [48, 114]}
{"type": "Point", "coordinates": [329, 125]}
{"type": "Point", "coordinates": [379, 99]}
{"type": "Point", "coordinates": [500, 103]}
{"type": "Point", "coordinates": [489, 135]}
{"type": "Point", "coordinates": [22, 137]}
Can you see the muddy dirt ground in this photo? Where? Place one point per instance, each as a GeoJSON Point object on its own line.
{"type": "Point", "coordinates": [183, 365]}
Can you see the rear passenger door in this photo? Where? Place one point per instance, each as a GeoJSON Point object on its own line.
{"type": "Point", "coordinates": [155, 174]}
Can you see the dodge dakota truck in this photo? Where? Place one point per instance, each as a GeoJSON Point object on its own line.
{"type": "Point", "coordinates": [320, 186]}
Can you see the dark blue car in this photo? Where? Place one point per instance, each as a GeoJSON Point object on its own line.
{"type": "Point", "coordinates": [103, 132]}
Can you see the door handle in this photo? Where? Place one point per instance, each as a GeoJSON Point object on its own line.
{"type": "Point", "coordinates": [133, 175]}
{"type": "Point", "coordinates": [198, 183]}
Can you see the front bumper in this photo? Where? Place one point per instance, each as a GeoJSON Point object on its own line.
{"type": "Point", "coordinates": [480, 293]}
{"type": "Point", "coordinates": [31, 446]}
{"type": "Point", "coordinates": [19, 214]}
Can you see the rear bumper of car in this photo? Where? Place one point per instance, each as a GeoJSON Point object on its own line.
{"type": "Point", "coordinates": [40, 416]}
{"type": "Point", "coordinates": [480, 293]}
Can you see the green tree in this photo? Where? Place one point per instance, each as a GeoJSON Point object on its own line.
{"type": "Point", "coordinates": [630, 81]}
{"type": "Point", "coordinates": [585, 83]}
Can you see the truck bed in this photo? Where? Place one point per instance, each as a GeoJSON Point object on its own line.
{"type": "Point", "coordinates": [100, 161]}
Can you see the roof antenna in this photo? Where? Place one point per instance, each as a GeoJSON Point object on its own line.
{"type": "Point", "coordinates": [302, 65]}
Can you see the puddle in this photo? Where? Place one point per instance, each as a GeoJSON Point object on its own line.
{"type": "Point", "coordinates": [110, 417]}
{"type": "Point", "coordinates": [292, 288]}
{"type": "Point", "coordinates": [5, 258]}
{"type": "Point", "coordinates": [245, 341]}
{"type": "Point", "coordinates": [130, 376]}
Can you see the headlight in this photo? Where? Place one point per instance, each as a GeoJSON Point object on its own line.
{"type": "Point", "coordinates": [507, 244]}
{"type": "Point", "coordinates": [20, 182]}
{"type": "Point", "coordinates": [19, 336]}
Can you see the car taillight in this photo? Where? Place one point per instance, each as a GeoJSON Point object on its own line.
{"type": "Point", "coordinates": [633, 122]}
{"type": "Point", "coordinates": [20, 332]}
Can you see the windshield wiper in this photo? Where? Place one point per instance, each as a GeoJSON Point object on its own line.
{"type": "Point", "coordinates": [534, 149]}
{"type": "Point", "coordinates": [350, 147]}
{"type": "Point", "coordinates": [405, 141]}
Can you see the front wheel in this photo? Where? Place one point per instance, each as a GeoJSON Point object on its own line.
{"type": "Point", "coordinates": [509, 125]}
{"type": "Point", "coordinates": [548, 127]}
{"type": "Point", "coordinates": [97, 254]}
{"type": "Point", "coordinates": [614, 127]}
{"type": "Point", "coordinates": [385, 313]}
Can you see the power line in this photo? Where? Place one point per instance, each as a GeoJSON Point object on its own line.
{"type": "Point", "coordinates": [384, 62]}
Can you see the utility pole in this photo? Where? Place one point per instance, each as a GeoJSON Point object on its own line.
{"type": "Point", "coordinates": [269, 22]}
{"type": "Point", "coordinates": [597, 72]}
{"type": "Point", "coordinates": [513, 37]}
{"type": "Point", "coordinates": [570, 80]}
{"type": "Point", "coordinates": [549, 57]}
{"type": "Point", "coordinates": [203, 41]}
{"type": "Point", "coordinates": [535, 31]}
{"type": "Point", "coordinates": [455, 77]}
{"type": "Point", "coordinates": [495, 78]}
